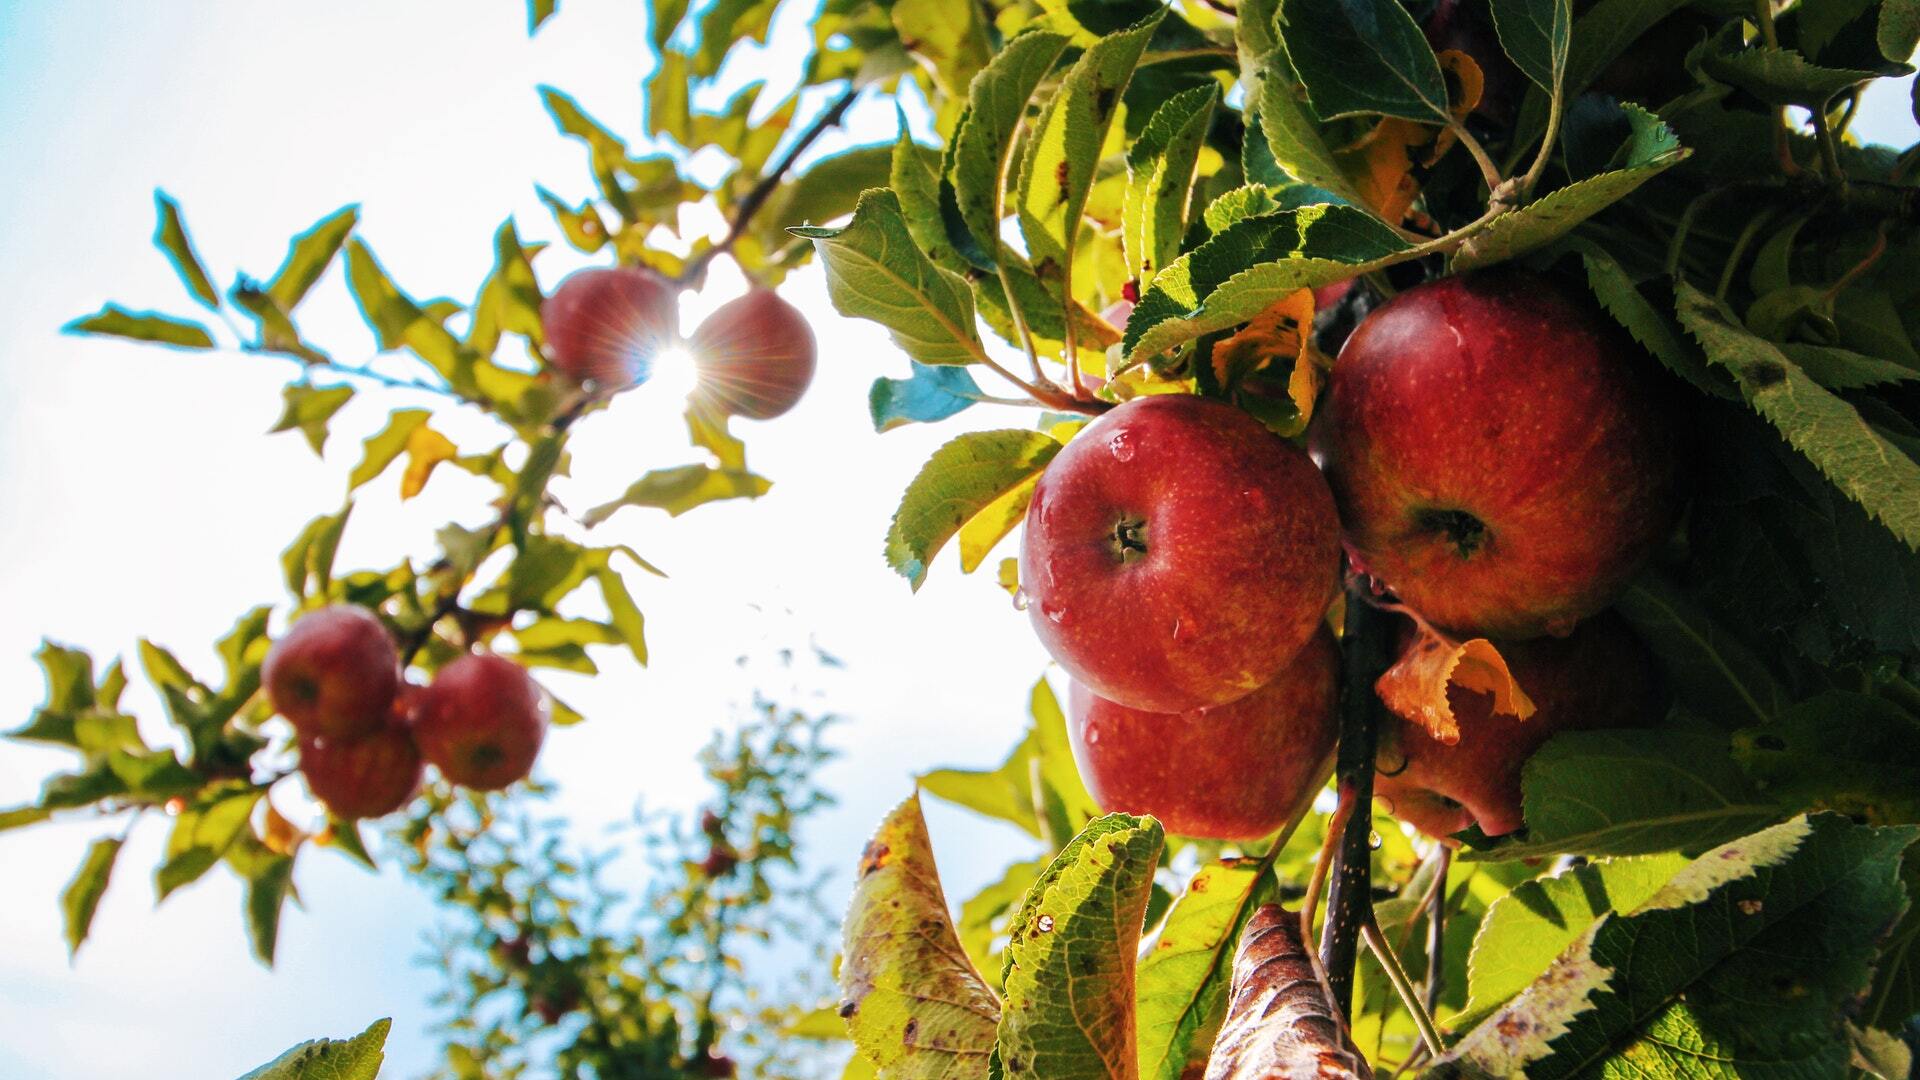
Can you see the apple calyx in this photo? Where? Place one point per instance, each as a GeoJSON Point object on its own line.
{"type": "Point", "coordinates": [1129, 540]}
{"type": "Point", "coordinates": [1465, 532]}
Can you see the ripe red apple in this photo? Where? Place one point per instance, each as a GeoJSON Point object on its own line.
{"type": "Point", "coordinates": [1232, 772]}
{"type": "Point", "coordinates": [1501, 458]}
{"type": "Point", "coordinates": [367, 776]}
{"type": "Point", "coordinates": [1178, 554]}
{"type": "Point", "coordinates": [755, 356]}
{"type": "Point", "coordinates": [481, 722]}
{"type": "Point", "coordinates": [1600, 677]}
{"type": "Point", "coordinates": [605, 325]}
{"type": "Point", "coordinates": [335, 673]}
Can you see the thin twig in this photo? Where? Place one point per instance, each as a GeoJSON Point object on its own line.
{"type": "Point", "coordinates": [1829, 150]}
{"type": "Point", "coordinates": [1402, 985]}
{"type": "Point", "coordinates": [1554, 110]}
{"type": "Point", "coordinates": [1437, 930]}
{"type": "Point", "coordinates": [1489, 172]}
{"type": "Point", "coordinates": [763, 190]}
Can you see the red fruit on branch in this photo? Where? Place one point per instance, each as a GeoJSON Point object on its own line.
{"type": "Point", "coordinates": [754, 355]}
{"type": "Point", "coordinates": [607, 324]}
{"type": "Point", "coordinates": [334, 674]}
{"type": "Point", "coordinates": [1501, 458]}
{"type": "Point", "coordinates": [1600, 677]}
{"type": "Point", "coordinates": [368, 776]}
{"type": "Point", "coordinates": [1233, 772]}
{"type": "Point", "coordinates": [1178, 555]}
{"type": "Point", "coordinates": [481, 722]}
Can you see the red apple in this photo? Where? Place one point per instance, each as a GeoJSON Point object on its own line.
{"type": "Point", "coordinates": [1233, 772]}
{"type": "Point", "coordinates": [605, 325]}
{"type": "Point", "coordinates": [481, 722]}
{"type": "Point", "coordinates": [334, 674]}
{"type": "Point", "coordinates": [1600, 677]}
{"type": "Point", "coordinates": [364, 777]}
{"type": "Point", "coordinates": [1178, 554]}
{"type": "Point", "coordinates": [1501, 458]}
{"type": "Point", "coordinates": [755, 356]}
{"type": "Point", "coordinates": [1117, 313]}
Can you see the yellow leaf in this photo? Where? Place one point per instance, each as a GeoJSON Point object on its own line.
{"type": "Point", "coordinates": [1278, 332]}
{"type": "Point", "coordinates": [426, 448]}
{"type": "Point", "coordinates": [1010, 575]}
{"type": "Point", "coordinates": [281, 836]}
{"type": "Point", "coordinates": [1415, 687]}
{"type": "Point", "coordinates": [1380, 163]}
{"type": "Point", "coordinates": [988, 527]}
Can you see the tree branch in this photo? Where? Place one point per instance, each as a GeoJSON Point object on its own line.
{"type": "Point", "coordinates": [1365, 652]}
{"type": "Point", "coordinates": [763, 190]}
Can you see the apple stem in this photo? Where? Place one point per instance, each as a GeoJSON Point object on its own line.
{"type": "Point", "coordinates": [1402, 985]}
{"type": "Point", "coordinates": [1437, 928]}
{"type": "Point", "coordinates": [1365, 649]}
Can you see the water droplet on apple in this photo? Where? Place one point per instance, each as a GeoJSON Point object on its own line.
{"type": "Point", "coordinates": [1256, 500]}
{"type": "Point", "coordinates": [1092, 735]}
{"type": "Point", "coordinates": [1055, 614]}
{"type": "Point", "coordinates": [1019, 598]}
{"type": "Point", "coordinates": [1121, 446]}
{"type": "Point", "coordinates": [1374, 841]}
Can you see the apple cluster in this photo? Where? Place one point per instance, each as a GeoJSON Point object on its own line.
{"type": "Point", "coordinates": [1491, 452]}
{"type": "Point", "coordinates": [606, 327]}
{"type": "Point", "coordinates": [366, 734]}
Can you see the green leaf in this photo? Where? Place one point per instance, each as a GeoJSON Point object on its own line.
{"type": "Point", "coordinates": [983, 916]}
{"type": "Point", "coordinates": [666, 18]}
{"type": "Point", "coordinates": [358, 1058]}
{"type": "Point", "coordinates": [385, 446]}
{"type": "Point", "coordinates": [116, 321]}
{"type": "Point", "coordinates": [926, 395]}
{"type": "Point", "coordinates": [875, 271]}
{"type": "Point", "coordinates": [170, 236]}
{"type": "Point", "coordinates": [668, 91]}
{"type": "Point", "coordinates": [202, 833]}
{"type": "Point", "coordinates": [1843, 369]}
{"type": "Point", "coordinates": [509, 301]}
{"type": "Point", "coordinates": [1536, 34]}
{"type": "Point", "coordinates": [307, 410]}
{"type": "Point", "coordinates": [1712, 672]}
{"type": "Point", "coordinates": [951, 37]}
{"type": "Point", "coordinates": [1184, 978]}
{"type": "Point", "coordinates": [69, 677]}
{"type": "Point", "coordinates": [396, 320]}
{"type": "Point", "coordinates": [1600, 36]}
{"type": "Point", "coordinates": [1650, 150]}
{"type": "Point", "coordinates": [308, 256]}
{"type": "Point", "coordinates": [1063, 149]}
{"type": "Point", "coordinates": [914, 177]}
{"type": "Point", "coordinates": [1079, 928]}
{"type": "Point", "coordinates": [1651, 326]}
{"type": "Point", "coordinates": [1526, 929]}
{"type": "Point", "coordinates": [1160, 171]}
{"type": "Point", "coordinates": [269, 878]}
{"type": "Point", "coordinates": [681, 488]}
{"type": "Point", "coordinates": [1041, 765]}
{"type": "Point", "coordinates": [1634, 793]}
{"type": "Point", "coordinates": [1841, 751]}
{"type": "Point", "coordinates": [81, 897]}
{"type": "Point", "coordinates": [1362, 57]}
{"type": "Point", "coordinates": [1740, 965]}
{"type": "Point", "coordinates": [307, 564]}
{"type": "Point", "coordinates": [539, 11]}
{"type": "Point", "coordinates": [1858, 459]}
{"type": "Point", "coordinates": [913, 1003]}
{"type": "Point", "coordinates": [1784, 77]}
{"type": "Point", "coordinates": [582, 224]}
{"type": "Point", "coordinates": [962, 479]}
{"type": "Point", "coordinates": [1898, 31]}
{"type": "Point", "coordinates": [996, 102]}
{"type": "Point", "coordinates": [726, 23]}
{"type": "Point", "coordinates": [1255, 262]}
{"type": "Point", "coordinates": [1292, 133]}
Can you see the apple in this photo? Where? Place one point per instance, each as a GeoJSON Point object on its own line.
{"type": "Point", "coordinates": [1177, 554]}
{"type": "Point", "coordinates": [1600, 677]}
{"type": "Point", "coordinates": [335, 674]}
{"type": "Point", "coordinates": [754, 355]}
{"type": "Point", "coordinates": [605, 325]}
{"type": "Point", "coordinates": [1232, 772]}
{"type": "Point", "coordinates": [367, 776]}
{"type": "Point", "coordinates": [481, 722]}
{"type": "Point", "coordinates": [1501, 457]}
{"type": "Point", "coordinates": [1117, 313]}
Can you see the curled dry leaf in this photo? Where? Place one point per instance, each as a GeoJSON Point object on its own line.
{"type": "Point", "coordinates": [1280, 1024]}
{"type": "Point", "coordinates": [1415, 687]}
{"type": "Point", "coordinates": [1273, 355]}
{"type": "Point", "coordinates": [1380, 163]}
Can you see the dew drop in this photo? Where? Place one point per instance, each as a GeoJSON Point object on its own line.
{"type": "Point", "coordinates": [1120, 446]}
{"type": "Point", "coordinates": [1092, 735]}
{"type": "Point", "coordinates": [1020, 599]}
{"type": "Point", "coordinates": [1256, 500]}
{"type": "Point", "coordinates": [1374, 841]}
{"type": "Point", "coordinates": [1055, 614]}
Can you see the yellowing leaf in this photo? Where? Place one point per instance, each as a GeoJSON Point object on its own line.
{"type": "Point", "coordinates": [913, 1003]}
{"type": "Point", "coordinates": [988, 527]}
{"type": "Point", "coordinates": [426, 448]}
{"type": "Point", "coordinates": [1380, 163]}
{"type": "Point", "coordinates": [1415, 687]}
{"type": "Point", "coordinates": [1280, 1022]}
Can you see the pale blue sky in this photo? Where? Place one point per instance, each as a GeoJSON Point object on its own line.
{"type": "Point", "coordinates": [139, 495]}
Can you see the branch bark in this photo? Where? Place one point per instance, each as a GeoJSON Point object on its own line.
{"type": "Point", "coordinates": [1365, 652]}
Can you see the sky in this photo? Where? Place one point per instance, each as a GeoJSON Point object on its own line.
{"type": "Point", "coordinates": [140, 495]}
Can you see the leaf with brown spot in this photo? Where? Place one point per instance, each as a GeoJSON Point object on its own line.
{"type": "Point", "coordinates": [1415, 687]}
{"type": "Point", "coordinates": [1270, 368]}
{"type": "Point", "coordinates": [914, 1005]}
{"type": "Point", "coordinates": [1280, 1024]}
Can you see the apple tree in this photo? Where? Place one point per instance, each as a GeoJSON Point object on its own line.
{"type": "Point", "coordinates": [1473, 483]}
